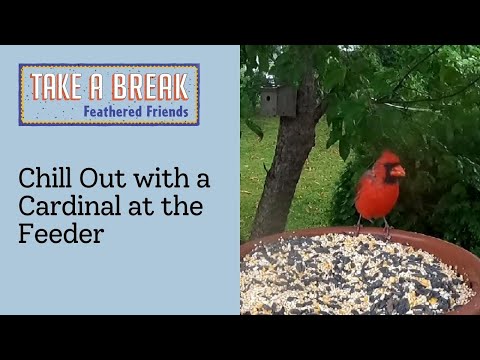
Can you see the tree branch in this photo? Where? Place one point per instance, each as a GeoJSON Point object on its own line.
{"type": "Point", "coordinates": [395, 89]}
{"type": "Point", "coordinates": [410, 108]}
{"type": "Point", "coordinates": [466, 87]}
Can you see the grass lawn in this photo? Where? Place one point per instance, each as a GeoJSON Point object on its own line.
{"type": "Point", "coordinates": [314, 190]}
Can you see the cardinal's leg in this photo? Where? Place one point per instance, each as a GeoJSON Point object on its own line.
{"type": "Point", "coordinates": [387, 229]}
{"type": "Point", "coordinates": [358, 226]}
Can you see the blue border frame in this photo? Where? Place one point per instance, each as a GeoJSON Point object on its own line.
{"type": "Point", "coordinates": [20, 65]}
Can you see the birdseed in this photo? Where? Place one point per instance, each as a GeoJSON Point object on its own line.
{"type": "Point", "coordinates": [340, 274]}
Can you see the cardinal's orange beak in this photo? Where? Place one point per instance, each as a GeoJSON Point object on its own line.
{"type": "Point", "coordinates": [398, 171]}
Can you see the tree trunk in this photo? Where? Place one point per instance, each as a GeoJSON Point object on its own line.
{"type": "Point", "coordinates": [296, 138]}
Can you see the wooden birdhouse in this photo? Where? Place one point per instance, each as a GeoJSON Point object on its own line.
{"type": "Point", "coordinates": [279, 101]}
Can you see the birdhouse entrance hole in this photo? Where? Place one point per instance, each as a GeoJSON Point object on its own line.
{"type": "Point", "coordinates": [279, 101]}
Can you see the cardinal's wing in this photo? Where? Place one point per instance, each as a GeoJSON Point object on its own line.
{"type": "Point", "coordinates": [367, 179]}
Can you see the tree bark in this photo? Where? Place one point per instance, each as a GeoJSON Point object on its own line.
{"type": "Point", "coordinates": [295, 140]}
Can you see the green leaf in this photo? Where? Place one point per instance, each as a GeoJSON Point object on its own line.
{"type": "Point", "coordinates": [333, 108]}
{"type": "Point", "coordinates": [459, 190]}
{"type": "Point", "coordinates": [318, 57]}
{"type": "Point", "coordinates": [246, 107]}
{"type": "Point", "coordinates": [448, 74]}
{"type": "Point", "coordinates": [254, 127]}
{"type": "Point", "coordinates": [449, 133]}
{"type": "Point", "coordinates": [336, 132]}
{"type": "Point", "coordinates": [333, 50]}
{"type": "Point", "coordinates": [344, 147]}
{"type": "Point", "coordinates": [446, 167]}
{"type": "Point", "coordinates": [359, 65]}
{"type": "Point", "coordinates": [251, 51]}
{"type": "Point", "coordinates": [297, 73]}
{"type": "Point", "coordinates": [349, 124]}
{"type": "Point", "coordinates": [335, 75]}
{"type": "Point", "coordinates": [380, 86]}
{"type": "Point", "coordinates": [263, 64]}
{"type": "Point", "coordinates": [352, 111]}
{"type": "Point", "coordinates": [283, 68]}
{"type": "Point", "coordinates": [332, 139]}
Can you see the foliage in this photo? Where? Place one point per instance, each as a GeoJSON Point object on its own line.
{"type": "Point", "coordinates": [252, 78]}
{"type": "Point", "coordinates": [422, 101]}
{"type": "Point", "coordinates": [437, 143]}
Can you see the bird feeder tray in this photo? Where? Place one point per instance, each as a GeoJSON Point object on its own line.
{"type": "Point", "coordinates": [462, 262]}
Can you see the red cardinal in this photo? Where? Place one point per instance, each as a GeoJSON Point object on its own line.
{"type": "Point", "coordinates": [378, 189]}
